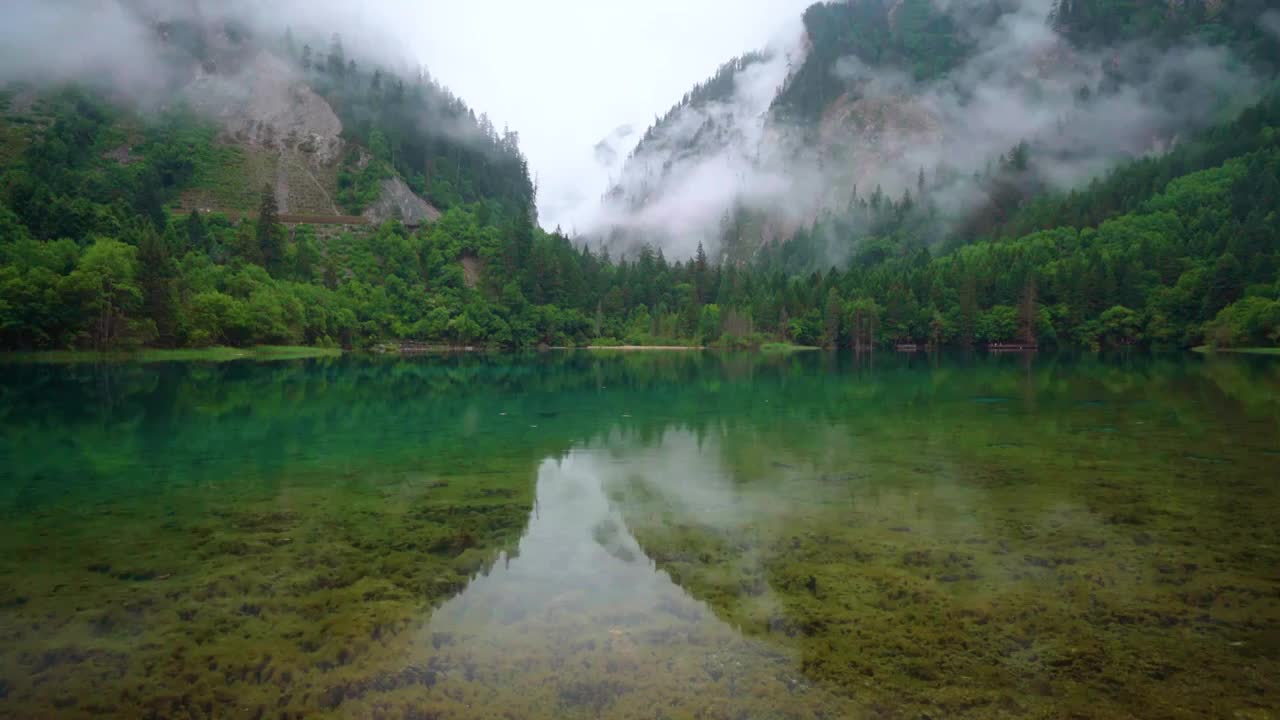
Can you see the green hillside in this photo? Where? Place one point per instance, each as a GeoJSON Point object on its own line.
{"type": "Point", "coordinates": [101, 246]}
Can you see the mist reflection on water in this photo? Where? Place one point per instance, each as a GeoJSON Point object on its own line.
{"type": "Point", "coordinates": [580, 620]}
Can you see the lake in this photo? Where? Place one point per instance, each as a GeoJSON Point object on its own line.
{"type": "Point", "coordinates": [642, 535]}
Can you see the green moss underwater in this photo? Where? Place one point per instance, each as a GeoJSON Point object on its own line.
{"type": "Point", "coordinates": [642, 535]}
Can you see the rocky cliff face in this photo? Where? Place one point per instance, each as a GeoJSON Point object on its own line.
{"type": "Point", "coordinates": [290, 132]}
{"type": "Point", "coordinates": [289, 136]}
{"type": "Point", "coordinates": [268, 105]}
{"type": "Point", "coordinates": [896, 98]}
{"type": "Point", "coordinates": [398, 202]}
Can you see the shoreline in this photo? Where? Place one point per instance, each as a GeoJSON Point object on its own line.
{"type": "Point", "coordinates": [641, 348]}
{"type": "Point", "coordinates": [1206, 350]}
{"type": "Point", "coordinates": [262, 353]}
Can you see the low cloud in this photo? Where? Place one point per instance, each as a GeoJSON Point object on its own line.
{"type": "Point", "coordinates": [46, 42]}
{"type": "Point", "coordinates": [1082, 113]}
{"type": "Point", "coordinates": [222, 56]}
{"type": "Point", "coordinates": [712, 163]}
{"type": "Point", "coordinates": [1270, 21]}
{"type": "Point", "coordinates": [676, 192]}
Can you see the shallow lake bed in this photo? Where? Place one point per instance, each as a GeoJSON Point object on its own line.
{"type": "Point", "coordinates": [642, 536]}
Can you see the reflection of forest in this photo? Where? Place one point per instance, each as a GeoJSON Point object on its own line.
{"type": "Point", "coordinates": [283, 530]}
{"type": "Point", "coordinates": [1062, 543]}
{"type": "Point", "coordinates": [162, 596]}
{"type": "Point", "coordinates": [579, 623]}
{"type": "Point", "coordinates": [66, 424]}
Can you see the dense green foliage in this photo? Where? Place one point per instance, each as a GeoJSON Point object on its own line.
{"type": "Point", "coordinates": [1152, 253]}
{"type": "Point", "coordinates": [65, 186]}
{"type": "Point", "coordinates": [1175, 250]}
{"type": "Point", "coordinates": [1131, 185]}
{"type": "Point", "coordinates": [928, 39]}
{"type": "Point", "coordinates": [917, 37]}
{"type": "Point", "coordinates": [1102, 23]}
{"type": "Point", "coordinates": [406, 122]}
{"type": "Point", "coordinates": [418, 128]}
{"type": "Point", "coordinates": [1180, 249]}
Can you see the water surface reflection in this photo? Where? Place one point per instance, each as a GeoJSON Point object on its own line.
{"type": "Point", "coordinates": [642, 536]}
{"type": "Point", "coordinates": [580, 622]}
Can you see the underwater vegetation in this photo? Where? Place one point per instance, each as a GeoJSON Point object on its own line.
{"type": "Point", "coordinates": [687, 535]}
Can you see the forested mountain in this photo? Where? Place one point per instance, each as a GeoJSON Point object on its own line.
{"type": "Point", "coordinates": [907, 131]}
{"type": "Point", "coordinates": [865, 191]}
{"type": "Point", "coordinates": [130, 220]}
{"type": "Point", "coordinates": [876, 94]}
{"type": "Point", "coordinates": [700, 131]}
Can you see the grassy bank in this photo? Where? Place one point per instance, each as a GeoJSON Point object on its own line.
{"type": "Point", "coordinates": [768, 348]}
{"type": "Point", "coordinates": [785, 348]}
{"type": "Point", "coordinates": [641, 348]}
{"type": "Point", "coordinates": [213, 354]}
{"type": "Point", "coordinates": [1206, 350]}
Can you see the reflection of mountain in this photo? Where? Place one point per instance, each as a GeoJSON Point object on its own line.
{"type": "Point", "coordinates": [923, 569]}
{"type": "Point", "coordinates": [581, 624]}
{"type": "Point", "coordinates": [576, 557]}
{"type": "Point", "coordinates": [962, 537]}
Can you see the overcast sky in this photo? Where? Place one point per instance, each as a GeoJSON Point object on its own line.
{"type": "Point", "coordinates": [563, 73]}
{"type": "Point", "coordinates": [566, 73]}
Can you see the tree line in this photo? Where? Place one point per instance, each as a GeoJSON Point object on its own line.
{"type": "Point", "coordinates": [1172, 251]}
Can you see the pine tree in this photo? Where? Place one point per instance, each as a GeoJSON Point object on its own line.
{"type": "Point", "coordinates": [196, 232]}
{"type": "Point", "coordinates": [833, 312]}
{"type": "Point", "coordinates": [700, 276]}
{"type": "Point", "coordinates": [337, 57]}
{"type": "Point", "coordinates": [968, 310]}
{"type": "Point", "coordinates": [1226, 285]}
{"type": "Point", "coordinates": [270, 243]}
{"type": "Point", "coordinates": [157, 275]}
{"type": "Point", "coordinates": [1028, 311]}
{"type": "Point", "coordinates": [1019, 157]}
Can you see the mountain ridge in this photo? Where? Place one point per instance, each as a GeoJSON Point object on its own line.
{"type": "Point", "coordinates": [958, 231]}
{"type": "Point", "coordinates": [880, 93]}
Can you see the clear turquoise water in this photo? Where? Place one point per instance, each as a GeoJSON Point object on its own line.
{"type": "Point", "coordinates": [642, 536]}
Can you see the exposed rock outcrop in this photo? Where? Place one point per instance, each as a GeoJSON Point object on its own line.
{"type": "Point", "coordinates": [870, 134]}
{"type": "Point", "coordinates": [268, 105]}
{"type": "Point", "coordinates": [290, 135]}
{"type": "Point", "coordinates": [398, 202]}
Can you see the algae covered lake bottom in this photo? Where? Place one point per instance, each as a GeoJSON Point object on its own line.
{"type": "Point", "coordinates": [636, 535]}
